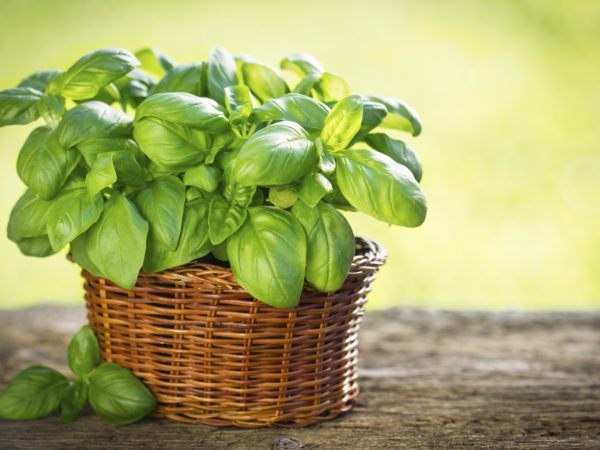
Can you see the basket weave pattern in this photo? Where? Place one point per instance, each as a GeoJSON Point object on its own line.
{"type": "Point", "coordinates": [213, 354]}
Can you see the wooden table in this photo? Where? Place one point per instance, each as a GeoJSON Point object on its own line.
{"type": "Point", "coordinates": [428, 379]}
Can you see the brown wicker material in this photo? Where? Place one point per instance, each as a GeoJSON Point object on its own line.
{"type": "Point", "coordinates": [212, 354]}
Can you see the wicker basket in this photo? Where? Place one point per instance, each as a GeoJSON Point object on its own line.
{"type": "Point", "coordinates": [212, 354]}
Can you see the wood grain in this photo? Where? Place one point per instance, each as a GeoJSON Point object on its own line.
{"type": "Point", "coordinates": [428, 379]}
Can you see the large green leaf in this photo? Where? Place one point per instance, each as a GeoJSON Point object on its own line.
{"type": "Point", "coordinates": [19, 105]}
{"type": "Point", "coordinates": [303, 110]}
{"type": "Point", "coordinates": [264, 81]}
{"type": "Point", "coordinates": [117, 242]}
{"type": "Point", "coordinates": [342, 123]}
{"type": "Point", "coordinates": [277, 154]}
{"type": "Point", "coordinates": [92, 120]}
{"type": "Point", "coordinates": [302, 64]}
{"type": "Point", "coordinates": [34, 393]}
{"type": "Point", "coordinates": [194, 241]}
{"type": "Point", "coordinates": [222, 72]}
{"type": "Point", "coordinates": [72, 213]}
{"type": "Point", "coordinates": [43, 165]}
{"type": "Point", "coordinates": [161, 204]}
{"type": "Point", "coordinates": [28, 217]}
{"type": "Point", "coordinates": [400, 115]}
{"type": "Point", "coordinates": [189, 78]}
{"type": "Point", "coordinates": [268, 256]}
{"type": "Point", "coordinates": [118, 396]}
{"type": "Point", "coordinates": [92, 72]}
{"type": "Point", "coordinates": [377, 185]}
{"type": "Point", "coordinates": [224, 219]}
{"type": "Point", "coordinates": [330, 245]}
{"type": "Point", "coordinates": [397, 150]}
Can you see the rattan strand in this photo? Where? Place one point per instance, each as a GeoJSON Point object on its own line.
{"type": "Point", "coordinates": [212, 354]}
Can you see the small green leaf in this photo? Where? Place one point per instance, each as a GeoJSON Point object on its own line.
{"type": "Point", "coordinates": [303, 110]}
{"type": "Point", "coordinates": [239, 102]}
{"type": "Point", "coordinates": [34, 393]}
{"type": "Point", "coordinates": [38, 246]}
{"type": "Point", "coordinates": [72, 213]}
{"type": "Point", "coordinates": [224, 219]}
{"type": "Point", "coordinates": [342, 123]}
{"type": "Point", "coordinates": [222, 72]}
{"type": "Point", "coordinates": [194, 241]}
{"type": "Point", "coordinates": [277, 154]}
{"type": "Point", "coordinates": [313, 188]}
{"type": "Point", "coordinates": [154, 61]}
{"type": "Point", "coordinates": [306, 84]}
{"type": "Point", "coordinates": [373, 114]}
{"type": "Point", "coordinates": [377, 185]}
{"type": "Point", "coordinates": [268, 256]}
{"type": "Point", "coordinates": [92, 72]}
{"type": "Point", "coordinates": [398, 151]}
{"type": "Point", "coordinates": [161, 204]}
{"type": "Point", "coordinates": [332, 87]}
{"type": "Point", "coordinates": [302, 64]}
{"type": "Point", "coordinates": [118, 396]}
{"type": "Point", "coordinates": [400, 116]}
{"type": "Point", "coordinates": [19, 106]}
{"type": "Point", "coordinates": [330, 245]}
{"type": "Point", "coordinates": [73, 400]}
{"type": "Point", "coordinates": [189, 78]}
{"type": "Point", "coordinates": [264, 81]}
{"type": "Point", "coordinates": [51, 108]}
{"type": "Point", "coordinates": [84, 352]}
{"type": "Point", "coordinates": [39, 80]}
{"type": "Point", "coordinates": [282, 196]}
{"type": "Point", "coordinates": [203, 177]}
{"type": "Point", "coordinates": [101, 175]}
{"type": "Point", "coordinates": [117, 242]}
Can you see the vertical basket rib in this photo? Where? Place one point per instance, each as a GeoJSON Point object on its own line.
{"type": "Point", "coordinates": [212, 354]}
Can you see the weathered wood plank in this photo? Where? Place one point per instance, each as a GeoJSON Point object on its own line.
{"type": "Point", "coordinates": [428, 379]}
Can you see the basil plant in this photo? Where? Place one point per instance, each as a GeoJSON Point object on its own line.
{"type": "Point", "coordinates": [147, 164]}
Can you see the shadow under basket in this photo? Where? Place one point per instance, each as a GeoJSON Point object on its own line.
{"type": "Point", "coordinates": [213, 354]}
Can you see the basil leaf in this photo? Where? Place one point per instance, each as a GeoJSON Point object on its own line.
{"type": "Point", "coordinates": [313, 187]}
{"type": "Point", "coordinates": [118, 396]}
{"type": "Point", "coordinates": [377, 185]}
{"type": "Point", "coordinates": [71, 214]}
{"type": "Point", "coordinates": [73, 399]}
{"type": "Point", "coordinates": [400, 116]}
{"type": "Point", "coordinates": [39, 80]}
{"type": "Point", "coordinates": [33, 393]}
{"type": "Point", "coordinates": [28, 217]}
{"type": "Point", "coordinates": [43, 165]}
{"type": "Point", "coordinates": [234, 192]}
{"type": "Point", "coordinates": [51, 108]}
{"type": "Point", "coordinates": [117, 242]}
{"type": "Point", "coordinates": [102, 174]}
{"type": "Point", "coordinates": [84, 352]}
{"type": "Point", "coordinates": [154, 61]}
{"type": "Point", "coordinates": [161, 204]}
{"type": "Point", "coordinates": [239, 102]}
{"type": "Point", "coordinates": [206, 178]}
{"type": "Point", "coordinates": [331, 87]}
{"type": "Point", "coordinates": [36, 246]}
{"type": "Point", "coordinates": [397, 150]}
{"type": "Point", "coordinates": [303, 110]}
{"type": "Point", "coordinates": [19, 106]}
{"type": "Point", "coordinates": [306, 84]}
{"type": "Point", "coordinates": [92, 72]}
{"type": "Point", "coordinates": [191, 78]}
{"type": "Point", "coordinates": [92, 120]}
{"type": "Point", "coordinates": [302, 64]}
{"type": "Point", "coordinates": [92, 148]}
{"type": "Point", "coordinates": [373, 114]}
{"type": "Point", "coordinates": [264, 81]}
{"type": "Point", "coordinates": [224, 219]}
{"type": "Point", "coordinates": [330, 245]}
{"type": "Point", "coordinates": [222, 72]}
{"type": "Point", "coordinates": [342, 123]}
{"type": "Point", "coordinates": [277, 154]}
{"type": "Point", "coordinates": [282, 196]}
{"type": "Point", "coordinates": [79, 252]}
{"type": "Point", "coordinates": [194, 241]}
{"type": "Point", "coordinates": [268, 256]}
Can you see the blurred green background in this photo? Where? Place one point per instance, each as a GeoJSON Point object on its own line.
{"type": "Point", "coordinates": [508, 92]}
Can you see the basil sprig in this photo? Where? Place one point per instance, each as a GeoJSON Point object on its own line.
{"type": "Point", "coordinates": [146, 163]}
{"type": "Point", "coordinates": [113, 391]}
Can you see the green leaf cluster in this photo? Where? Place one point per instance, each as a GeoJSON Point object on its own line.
{"type": "Point", "coordinates": [148, 164]}
{"type": "Point", "coordinates": [112, 391]}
